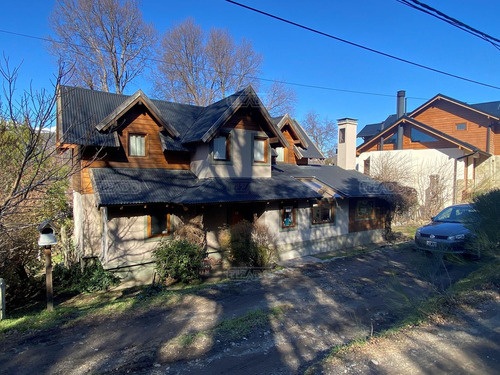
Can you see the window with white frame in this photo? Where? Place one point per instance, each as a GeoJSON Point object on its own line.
{"type": "Point", "coordinates": [323, 213]}
{"type": "Point", "coordinates": [137, 145]}
{"type": "Point", "coordinates": [221, 148]}
{"type": "Point", "coordinates": [260, 150]}
{"type": "Point", "coordinates": [280, 151]}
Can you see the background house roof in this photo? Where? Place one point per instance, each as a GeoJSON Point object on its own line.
{"type": "Point", "coordinates": [488, 108]}
{"type": "Point", "coordinates": [493, 108]}
{"type": "Point", "coordinates": [372, 130]}
{"type": "Point", "coordinates": [409, 120]}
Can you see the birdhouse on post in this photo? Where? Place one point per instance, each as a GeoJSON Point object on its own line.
{"type": "Point", "coordinates": [47, 239]}
{"type": "Point", "coordinates": [47, 234]}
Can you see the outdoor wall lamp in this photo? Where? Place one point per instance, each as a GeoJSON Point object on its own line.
{"type": "Point", "coordinates": [47, 239]}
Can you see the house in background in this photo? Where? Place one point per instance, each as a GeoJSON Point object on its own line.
{"type": "Point", "coordinates": [445, 149]}
{"type": "Point", "coordinates": [147, 167]}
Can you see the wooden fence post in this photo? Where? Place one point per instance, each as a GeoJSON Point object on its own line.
{"type": "Point", "coordinates": [2, 299]}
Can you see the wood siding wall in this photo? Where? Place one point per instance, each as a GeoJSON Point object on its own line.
{"type": "Point", "coordinates": [289, 154]}
{"type": "Point", "coordinates": [246, 119]}
{"type": "Point", "coordinates": [444, 116]}
{"type": "Point", "coordinates": [135, 122]}
{"type": "Point", "coordinates": [377, 222]}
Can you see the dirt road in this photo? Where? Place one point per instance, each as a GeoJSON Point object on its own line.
{"type": "Point", "coordinates": [321, 304]}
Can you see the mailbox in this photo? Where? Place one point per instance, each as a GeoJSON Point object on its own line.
{"type": "Point", "coordinates": [47, 234]}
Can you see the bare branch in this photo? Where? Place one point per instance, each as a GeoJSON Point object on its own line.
{"type": "Point", "coordinates": [106, 42]}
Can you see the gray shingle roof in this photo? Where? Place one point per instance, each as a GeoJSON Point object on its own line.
{"type": "Point", "coordinates": [372, 130]}
{"type": "Point", "coordinates": [311, 152]}
{"type": "Point", "coordinates": [122, 186]}
{"type": "Point", "coordinates": [493, 108]}
{"type": "Point", "coordinates": [217, 190]}
{"type": "Point", "coordinates": [128, 186]}
{"type": "Point", "coordinates": [348, 183]}
{"type": "Point", "coordinates": [82, 109]}
{"type": "Point", "coordinates": [209, 116]}
{"type": "Point", "coordinates": [170, 144]}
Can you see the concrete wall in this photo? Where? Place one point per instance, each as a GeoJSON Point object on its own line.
{"type": "Point", "coordinates": [241, 163]}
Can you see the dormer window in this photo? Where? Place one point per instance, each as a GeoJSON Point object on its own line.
{"type": "Point", "coordinates": [222, 148]}
{"type": "Point", "coordinates": [137, 145]}
{"type": "Point", "coordinates": [280, 151]}
{"type": "Point", "coordinates": [260, 150]}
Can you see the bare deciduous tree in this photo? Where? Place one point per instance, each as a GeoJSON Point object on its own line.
{"type": "Point", "coordinates": [199, 68]}
{"type": "Point", "coordinates": [33, 176]}
{"type": "Point", "coordinates": [322, 131]}
{"type": "Point", "coordinates": [280, 99]}
{"type": "Point", "coordinates": [106, 42]}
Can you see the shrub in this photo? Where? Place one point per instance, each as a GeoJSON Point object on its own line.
{"type": "Point", "coordinates": [247, 244]}
{"type": "Point", "coordinates": [92, 278]}
{"type": "Point", "coordinates": [487, 235]}
{"type": "Point", "coordinates": [179, 259]}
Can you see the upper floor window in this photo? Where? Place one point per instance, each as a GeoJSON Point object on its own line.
{"type": "Point", "coordinates": [281, 154]}
{"type": "Point", "coordinates": [418, 136]}
{"type": "Point", "coordinates": [137, 145]}
{"type": "Point", "coordinates": [323, 213]}
{"type": "Point", "coordinates": [222, 148]}
{"type": "Point", "coordinates": [260, 150]}
{"type": "Point", "coordinates": [462, 126]}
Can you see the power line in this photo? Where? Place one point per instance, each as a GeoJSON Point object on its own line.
{"type": "Point", "coordinates": [298, 84]}
{"type": "Point", "coordinates": [422, 7]}
{"type": "Point", "coordinates": [363, 47]}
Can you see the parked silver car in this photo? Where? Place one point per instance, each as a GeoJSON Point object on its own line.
{"type": "Point", "coordinates": [448, 231]}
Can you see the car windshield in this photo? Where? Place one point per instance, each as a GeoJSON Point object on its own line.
{"type": "Point", "coordinates": [456, 214]}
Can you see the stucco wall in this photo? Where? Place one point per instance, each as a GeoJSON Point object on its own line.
{"type": "Point", "coordinates": [241, 164]}
{"type": "Point", "coordinates": [88, 225]}
{"type": "Point", "coordinates": [416, 167]}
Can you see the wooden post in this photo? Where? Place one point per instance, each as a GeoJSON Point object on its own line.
{"type": "Point", "coordinates": [48, 277]}
{"type": "Point", "coordinates": [2, 300]}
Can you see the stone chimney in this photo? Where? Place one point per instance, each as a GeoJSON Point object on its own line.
{"type": "Point", "coordinates": [346, 150]}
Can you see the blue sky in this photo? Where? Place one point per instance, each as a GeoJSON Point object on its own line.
{"type": "Point", "coordinates": [295, 55]}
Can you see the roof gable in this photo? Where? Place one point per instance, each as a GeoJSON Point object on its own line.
{"type": "Point", "coordinates": [216, 115]}
{"type": "Point", "coordinates": [407, 120]}
{"type": "Point", "coordinates": [478, 108]}
{"type": "Point", "coordinates": [141, 99]}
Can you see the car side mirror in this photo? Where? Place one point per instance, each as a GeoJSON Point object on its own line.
{"type": "Point", "coordinates": [432, 218]}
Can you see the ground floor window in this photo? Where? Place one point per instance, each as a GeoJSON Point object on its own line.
{"type": "Point", "coordinates": [323, 213]}
{"type": "Point", "coordinates": [288, 217]}
{"type": "Point", "coordinates": [365, 209]}
{"type": "Point", "coordinates": [158, 225]}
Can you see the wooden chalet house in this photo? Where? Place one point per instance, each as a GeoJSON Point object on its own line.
{"type": "Point", "coordinates": [450, 147]}
{"type": "Point", "coordinates": [149, 166]}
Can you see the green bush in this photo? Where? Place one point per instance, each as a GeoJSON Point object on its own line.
{"type": "Point", "coordinates": [487, 235]}
{"type": "Point", "coordinates": [247, 244]}
{"type": "Point", "coordinates": [180, 260]}
{"type": "Point", "coordinates": [92, 278]}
